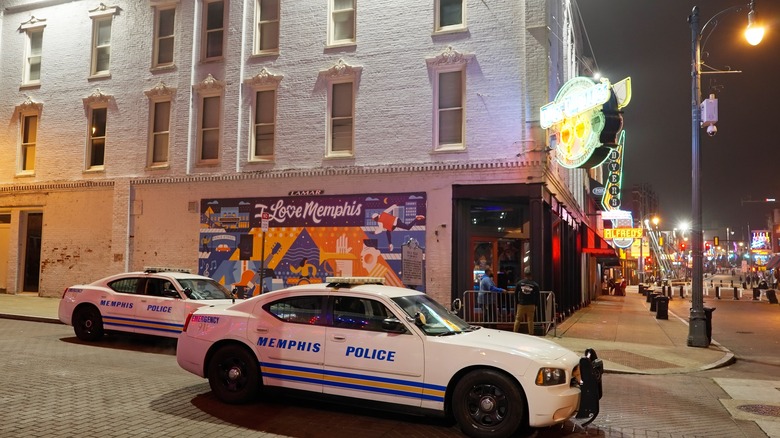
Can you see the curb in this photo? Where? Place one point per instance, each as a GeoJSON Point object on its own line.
{"type": "Point", "coordinates": [30, 318]}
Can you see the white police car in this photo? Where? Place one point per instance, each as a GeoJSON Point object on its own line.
{"type": "Point", "coordinates": [155, 302]}
{"type": "Point", "coordinates": [388, 347]}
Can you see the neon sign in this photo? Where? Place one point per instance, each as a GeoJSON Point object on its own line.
{"type": "Point", "coordinates": [585, 119]}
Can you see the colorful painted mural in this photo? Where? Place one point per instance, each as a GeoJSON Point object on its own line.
{"type": "Point", "coordinates": [308, 238]}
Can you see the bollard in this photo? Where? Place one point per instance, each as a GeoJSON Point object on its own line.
{"type": "Point", "coordinates": [736, 294]}
{"type": "Point", "coordinates": [732, 283]}
{"type": "Point", "coordinates": [717, 292]}
{"type": "Point", "coordinates": [721, 282]}
{"type": "Point", "coordinates": [756, 294]}
{"type": "Point", "coordinates": [744, 285]}
{"type": "Point", "coordinates": [682, 292]}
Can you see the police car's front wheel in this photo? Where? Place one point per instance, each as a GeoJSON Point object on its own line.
{"type": "Point", "coordinates": [487, 403]}
{"type": "Point", "coordinates": [233, 374]}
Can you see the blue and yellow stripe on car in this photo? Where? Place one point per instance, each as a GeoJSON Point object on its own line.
{"type": "Point", "coordinates": [145, 324]}
{"type": "Point", "coordinates": [360, 382]}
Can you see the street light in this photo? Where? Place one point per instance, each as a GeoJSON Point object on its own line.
{"type": "Point", "coordinates": [644, 223]}
{"type": "Point", "coordinates": [697, 329]}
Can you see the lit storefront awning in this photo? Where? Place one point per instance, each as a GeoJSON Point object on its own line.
{"type": "Point", "coordinates": [594, 244]}
{"type": "Point", "coordinates": [773, 262]}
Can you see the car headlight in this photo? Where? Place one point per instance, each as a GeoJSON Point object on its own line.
{"type": "Point", "coordinates": [550, 376]}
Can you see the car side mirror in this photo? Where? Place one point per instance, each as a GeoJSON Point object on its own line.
{"type": "Point", "coordinates": [393, 325]}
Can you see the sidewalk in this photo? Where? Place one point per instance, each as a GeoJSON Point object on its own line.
{"type": "Point", "coordinates": [626, 336]}
{"type": "Point", "coordinates": [630, 340]}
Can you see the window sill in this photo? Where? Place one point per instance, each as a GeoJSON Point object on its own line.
{"type": "Point", "coordinates": [450, 30]}
{"type": "Point", "coordinates": [264, 54]}
{"type": "Point", "coordinates": [95, 169]}
{"type": "Point", "coordinates": [212, 60]}
{"type": "Point", "coordinates": [30, 85]}
{"type": "Point", "coordinates": [161, 166]}
{"type": "Point", "coordinates": [106, 75]}
{"type": "Point", "coordinates": [261, 160]}
{"type": "Point", "coordinates": [25, 174]}
{"type": "Point", "coordinates": [340, 45]}
{"type": "Point", "coordinates": [163, 68]}
{"type": "Point", "coordinates": [449, 149]}
{"type": "Point", "coordinates": [341, 156]}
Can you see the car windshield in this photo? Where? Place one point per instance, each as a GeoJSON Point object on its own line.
{"type": "Point", "coordinates": [203, 289]}
{"type": "Point", "coordinates": [436, 320]}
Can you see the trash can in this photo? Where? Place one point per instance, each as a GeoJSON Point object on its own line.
{"type": "Point", "coordinates": [771, 296]}
{"type": "Point", "coordinates": [654, 302]}
{"type": "Point", "coordinates": [708, 315]}
{"type": "Point", "coordinates": [661, 307]}
{"type": "Point", "coordinates": [756, 294]}
{"type": "Point", "coordinates": [649, 296]}
{"type": "Point", "coordinates": [641, 288]}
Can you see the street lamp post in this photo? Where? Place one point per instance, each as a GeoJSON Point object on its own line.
{"type": "Point", "coordinates": [697, 328]}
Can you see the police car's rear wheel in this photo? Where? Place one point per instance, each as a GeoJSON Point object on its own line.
{"type": "Point", "coordinates": [233, 374]}
{"type": "Point", "coordinates": [88, 324]}
{"type": "Point", "coordinates": [487, 403]}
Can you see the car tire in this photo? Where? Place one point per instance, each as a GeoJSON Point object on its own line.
{"type": "Point", "coordinates": [88, 324]}
{"type": "Point", "coordinates": [234, 374]}
{"type": "Point", "coordinates": [488, 404]}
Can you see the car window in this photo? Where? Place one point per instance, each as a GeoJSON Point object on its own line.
{"type": "Point", "coordinates": [436, 320]}
{"type": "Point", "coordinates": [359, 313]}
{"type": "Point", "coordinates": [203, 289]}
{"type": "Point", "coordinates": [301, 310]}
{"type": "Point", "coordinates": [125, 285]}
{"type": "Point", "coordinates": [157, 286]}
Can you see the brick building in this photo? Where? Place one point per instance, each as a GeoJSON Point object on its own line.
{"type": "Point", "coordinates": [158, 132]}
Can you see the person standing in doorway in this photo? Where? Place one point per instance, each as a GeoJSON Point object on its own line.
{"type": "Point", "coordinates": [486, 296]}
{"type": "Point", "coordinates": [527, 297]}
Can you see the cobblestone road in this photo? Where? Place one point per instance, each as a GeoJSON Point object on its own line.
{"type": "Point", "coordinates": [55, 386]}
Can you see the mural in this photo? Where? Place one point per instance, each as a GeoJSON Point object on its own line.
{"type": "Point", "coordinates": [309, 238]}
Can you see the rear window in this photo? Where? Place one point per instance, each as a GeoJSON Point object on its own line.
{"type": "Point", "coordinates": [300, 310]}
{"type": "Point", "coordinates": [125, 285]}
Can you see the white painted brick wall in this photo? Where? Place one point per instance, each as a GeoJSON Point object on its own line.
{"type": "Point", "coordinates": [393, 120]}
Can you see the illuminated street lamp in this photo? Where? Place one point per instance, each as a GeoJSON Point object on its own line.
{"type": "Point", "coordinates": [645, 223]}
{"type": "Point", "coordinates": [697, 334]}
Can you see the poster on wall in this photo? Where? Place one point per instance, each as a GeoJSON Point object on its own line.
{"type": "Point", "coordinates": [309, 238]}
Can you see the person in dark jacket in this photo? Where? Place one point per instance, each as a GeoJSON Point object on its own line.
{"type": "Point", "coordinates": [527, 297]}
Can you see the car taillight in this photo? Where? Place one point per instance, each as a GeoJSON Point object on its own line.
{"type": "Point", "coordinates": [187, 322]}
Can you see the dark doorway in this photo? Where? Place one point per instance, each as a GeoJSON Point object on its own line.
{"type": "Point", "coordinates": [32, 252]}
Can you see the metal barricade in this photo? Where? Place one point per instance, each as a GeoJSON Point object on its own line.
{"type": "Point", "coordinates": [494, 309]}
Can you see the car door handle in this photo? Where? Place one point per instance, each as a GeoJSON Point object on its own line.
{"type": "Point", "coordinates": [261, 329]}
{"type": "Point", "coordinates": [339, 338]}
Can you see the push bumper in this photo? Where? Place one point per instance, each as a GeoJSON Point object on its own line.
{"type": "Point", "coordinates": [591, 370]}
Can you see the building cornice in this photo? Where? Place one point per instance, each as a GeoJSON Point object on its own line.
{"type": "Point", "coordinates": [54, 186]}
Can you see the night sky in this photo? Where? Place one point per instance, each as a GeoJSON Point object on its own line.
{"type": "Point", "coordinates": [650, 41]}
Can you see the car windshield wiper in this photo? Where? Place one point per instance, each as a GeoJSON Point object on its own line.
{"type": "Point", "coordinates": [449, 333]}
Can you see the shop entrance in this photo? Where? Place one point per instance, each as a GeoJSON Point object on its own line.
{"type": "Point", "coordinates": [502, 255]}
{"type": "Point", "coordinates": [5, 233]}
{"type": "Point", "coordinates": [33, 226]}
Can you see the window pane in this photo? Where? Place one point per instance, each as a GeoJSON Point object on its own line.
{"type": "Point", "coordinates": [450, 90]}
{"type": "Point", "coordinates": [451, 12]}
{"type": "Point", "coordinates": [98, 122]}
{"type": "Point", "coordinates": [96, 155]}
{"type": "Point", "coordinates": [36, 42]}
{"type": "Point", "coordinates": [269, 36]}
{"type": "Point", "coordinates": [103, 33]}
{"type": "Point", "coordinates": [269, 10]}
{"type": "Point", "coordinates": [210, 114]}
{"type": "Point", "coordinates": [343, 4]}
{"type": "Point", "coordinates": [165, 51]}
{"type": "Point", "coordinates": [162, 116]}
{"type": "Point", "coordinates": [160, 151]}
{"type": "Point", "coordinates": [342, 100]}
{"type": "Point", "coordinates": [28, 160]}
{"type": "Point", "coordinates": [214, 44]}
{"type": "Point", "coordinates": [210, 145]}
{"type": "Point", "coordinates": [265, 106]}
{"type": "Point", "coordinates": [450, 127]}
{"type": "Point", "coordinates": [214, 16]}
{"type": "Point", "coordinates": [264, 140]}
{"type": "Point", "coordinates": [341, 139]}
{"type": "Point", "coordinates": [30, 129]}
{"type": "Point", "coordinates": [343, 27]}
{"type": "Point", "coordinates": [103, 57]}
{"type": "Point", "coordinates": [35, 68]}
{"type": "Point", "coordinates": [166, 22]}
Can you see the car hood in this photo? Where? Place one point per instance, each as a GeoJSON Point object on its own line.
{"type": "Point", "coordinates": [537, 348]}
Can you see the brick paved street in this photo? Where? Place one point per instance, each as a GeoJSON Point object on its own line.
{"type": "Point", "coordinates": [54, 386]}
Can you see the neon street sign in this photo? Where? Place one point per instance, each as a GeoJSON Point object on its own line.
{"type": "Point", "coordinates": [622, 233]}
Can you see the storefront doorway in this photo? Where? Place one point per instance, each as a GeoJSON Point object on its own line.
{"type": "Point", "coordinates": [33, 226]}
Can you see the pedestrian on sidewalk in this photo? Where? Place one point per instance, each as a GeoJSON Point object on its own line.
{"type": "Point", "coordinates": [486, 296]}
{"type": "Point", "coordinates": [527, 297]}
